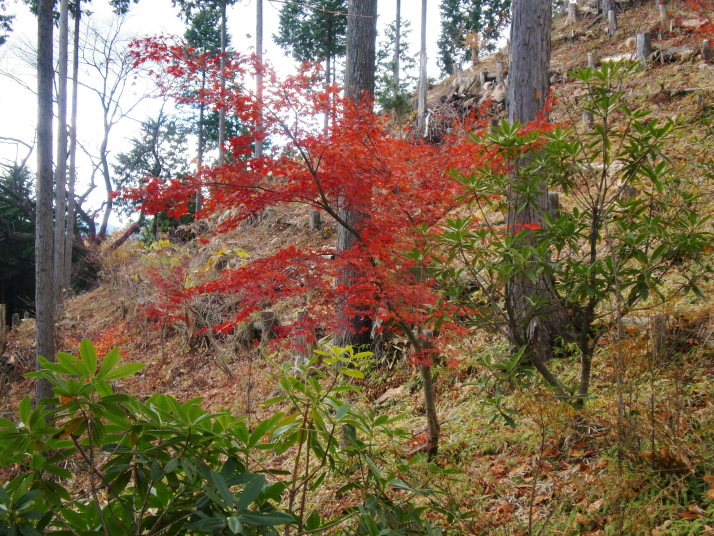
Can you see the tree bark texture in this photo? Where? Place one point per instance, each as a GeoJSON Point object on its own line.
{"type": "Point", "coordinates": [422, 69]}
{"type": "Point", "coordinates": [397, 47]}
{"type": "Point", "coordinates": [529, 59]}
{"type": "Point", "coordinates": [222, 109]}
{"type": "Point", "coordinates": [528, 303]}
{"type": "Point", "coordinates": [259, 75]}
{"type": "Point", "coordinates": [361, 49]}
{"type": "Point", "coordinates": [71, 208]}
{"type": "Point", "coordinates": [643, 48]}
{"type": "Point", "coordinates": [61, 169]}
{"type": "Point", "coordinates": [359, 85]}
{"type": "Point", "coordinates": [44, 272]}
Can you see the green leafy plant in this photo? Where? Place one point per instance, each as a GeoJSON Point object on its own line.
{"type": "Point", "coordinates": [630, 229]}
{"type": "Point", "coordinates": [92, 460]}
{"type": "Point", "coordinates": [153, 467]}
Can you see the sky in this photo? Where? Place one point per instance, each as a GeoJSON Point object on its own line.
{"type": "Point", "coordinates": [18, 110]}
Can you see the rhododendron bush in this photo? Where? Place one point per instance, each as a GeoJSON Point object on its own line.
{"type": "Point", "coordinates": [354, 162]}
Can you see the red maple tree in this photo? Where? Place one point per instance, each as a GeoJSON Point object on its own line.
{"type": "Point", "coordinates": [355, 161]}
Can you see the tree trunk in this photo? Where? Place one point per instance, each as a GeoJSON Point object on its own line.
{"type": "Point", "coordinates": [397, 46]}
{"type": "Point", "coordinates": [422, 69]}
{"type": "Point", "coordinates": [44, 293]}
{"type": "Point", "coordinates": [359, 87]}
{"type": "Point", "coordinates": [106, 175]}
{"type": "Point", "coordinates": [259, 75]}
{"type": "Point", "coordinates": [222, 110]}
{"type": "Point", "coordinates": [71, 209]}
{"type": "Point", "coordinates": [61, 169]}
{"type": "Point", "coordinates": [528, 303]}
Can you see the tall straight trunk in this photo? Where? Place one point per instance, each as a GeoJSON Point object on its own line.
{"type": "Point", "coordinates": [528, 302]}
{"type": "Point", "coordinates": [71, 202]}
{"type": "Point", "coordinates": [259, 76]}
{"type": "Point", "coordinates": [200, 149]}
{"type": "Point", "coordinates": [44, 272]}
{"type": "Point", "coordinates": [328, 71]}
{"type": "Point", "coordinates": [222, 110]}
{"type": "Point", "coordinates": [359, 87]}
{"type": "Point", "coordinates": [397, 47]}
{"type": "Point", "coordinates": [422, 68]}
{"type": "Point", "coordinates": [61, 169]}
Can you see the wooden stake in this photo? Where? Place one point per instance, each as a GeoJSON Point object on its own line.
{"type": "Point", "coordinates": [591, 60]}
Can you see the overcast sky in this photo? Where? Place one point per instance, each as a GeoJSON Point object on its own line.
{"type": "Point", "coordinates": [152, 17]}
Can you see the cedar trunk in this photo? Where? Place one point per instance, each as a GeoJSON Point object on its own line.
{"type": "Point", "coordinates": [44, 291]}
{"type": "Point", "coordinates": [359, 87]}
{"type": "Point", "coordinates": [61, 171]}
{"type": "Point", "coordinates": [529, 303]}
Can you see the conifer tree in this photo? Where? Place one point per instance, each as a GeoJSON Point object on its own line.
{"type": "Point", "coordinates": [466, 27]}
{"type": "Point", "coordinates": [314, 31]}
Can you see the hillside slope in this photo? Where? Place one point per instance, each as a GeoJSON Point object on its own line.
{"type": "Point", "coordinates": [638, 458]}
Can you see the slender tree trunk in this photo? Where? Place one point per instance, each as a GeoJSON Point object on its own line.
{"type": "Point", "coordinates": [61, 169]}
{"type": "Point", "coordinates": [359, 85]}
{"type": "Point", "coordinates": [44, 293]}
{"type": "Point", "coordinates": [201, 145]}
{"type": "Point", "coordinates": [71, 209]}
{"type": "Point", "coordinates": [397, 48]}
{"type": "Point", "coordinates": [528, 302]}
{"type": "Point", "coordinates": [222, 109]}
{"type": "Point", "coordinates": [259, 76]}
{"type": "Point", "coordinates": [106, 175]}
{"type": "Point", "coordinates": [422, 68]}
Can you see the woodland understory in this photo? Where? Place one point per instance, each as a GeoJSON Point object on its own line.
{"type": "Point", "coordinates": [292, 434]}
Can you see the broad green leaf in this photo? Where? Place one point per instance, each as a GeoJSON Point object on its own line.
{"type": "Point", "coordinates": [250, 492]}
{"type": "Point", "coordinates": [123, 371]}
{"type": "Point", "coordinates": [108, 363]}
{"type": "Point", "coordinates": [88, 355]}
{"type": "Point", "coordinates": [70, 364]}
{"type": "Point", "coordinates": [234, 525]}
{"type": "Point", "coordinates": [270, 519]}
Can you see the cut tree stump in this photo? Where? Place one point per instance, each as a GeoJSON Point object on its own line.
{"type": "Point", "coordinates": [315, 221]}
{"type": "Point", "coordinates": [643, 48]}
{"type": "Point", "coordinates": [592, 62]}
{"type": "Point", "coordinates": [267, 327]}
{"type": "Point", "coordinates": [572, 13]}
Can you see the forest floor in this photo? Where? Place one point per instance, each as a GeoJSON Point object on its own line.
{"type": "Point", "coordinates": [638, 459]}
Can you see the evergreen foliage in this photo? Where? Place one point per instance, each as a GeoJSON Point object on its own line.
{"type": "Point", "coordinates": [467, 26]}
{"type": "Point", "coordinates": [387, 95]}
{"type": "Point", "coordinates": [17, 204]}
{"type": "Point", "coordinates": [313, 31]}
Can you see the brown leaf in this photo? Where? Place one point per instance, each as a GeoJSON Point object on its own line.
{"type": "Point", "coordinates": [710, 494]}
{"type": "Point", "coordinates": [594, 507]}
{"type": "Point", "coordinates": [581, 519]}
{"type": "Point", "coordinates": [709, 479]}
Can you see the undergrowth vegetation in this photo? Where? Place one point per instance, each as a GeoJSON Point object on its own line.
{"type": "Point", "coordinates": [295, 436]}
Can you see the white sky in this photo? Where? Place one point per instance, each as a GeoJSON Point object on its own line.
{"type": "Point", "coordinates": [18, 110]}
